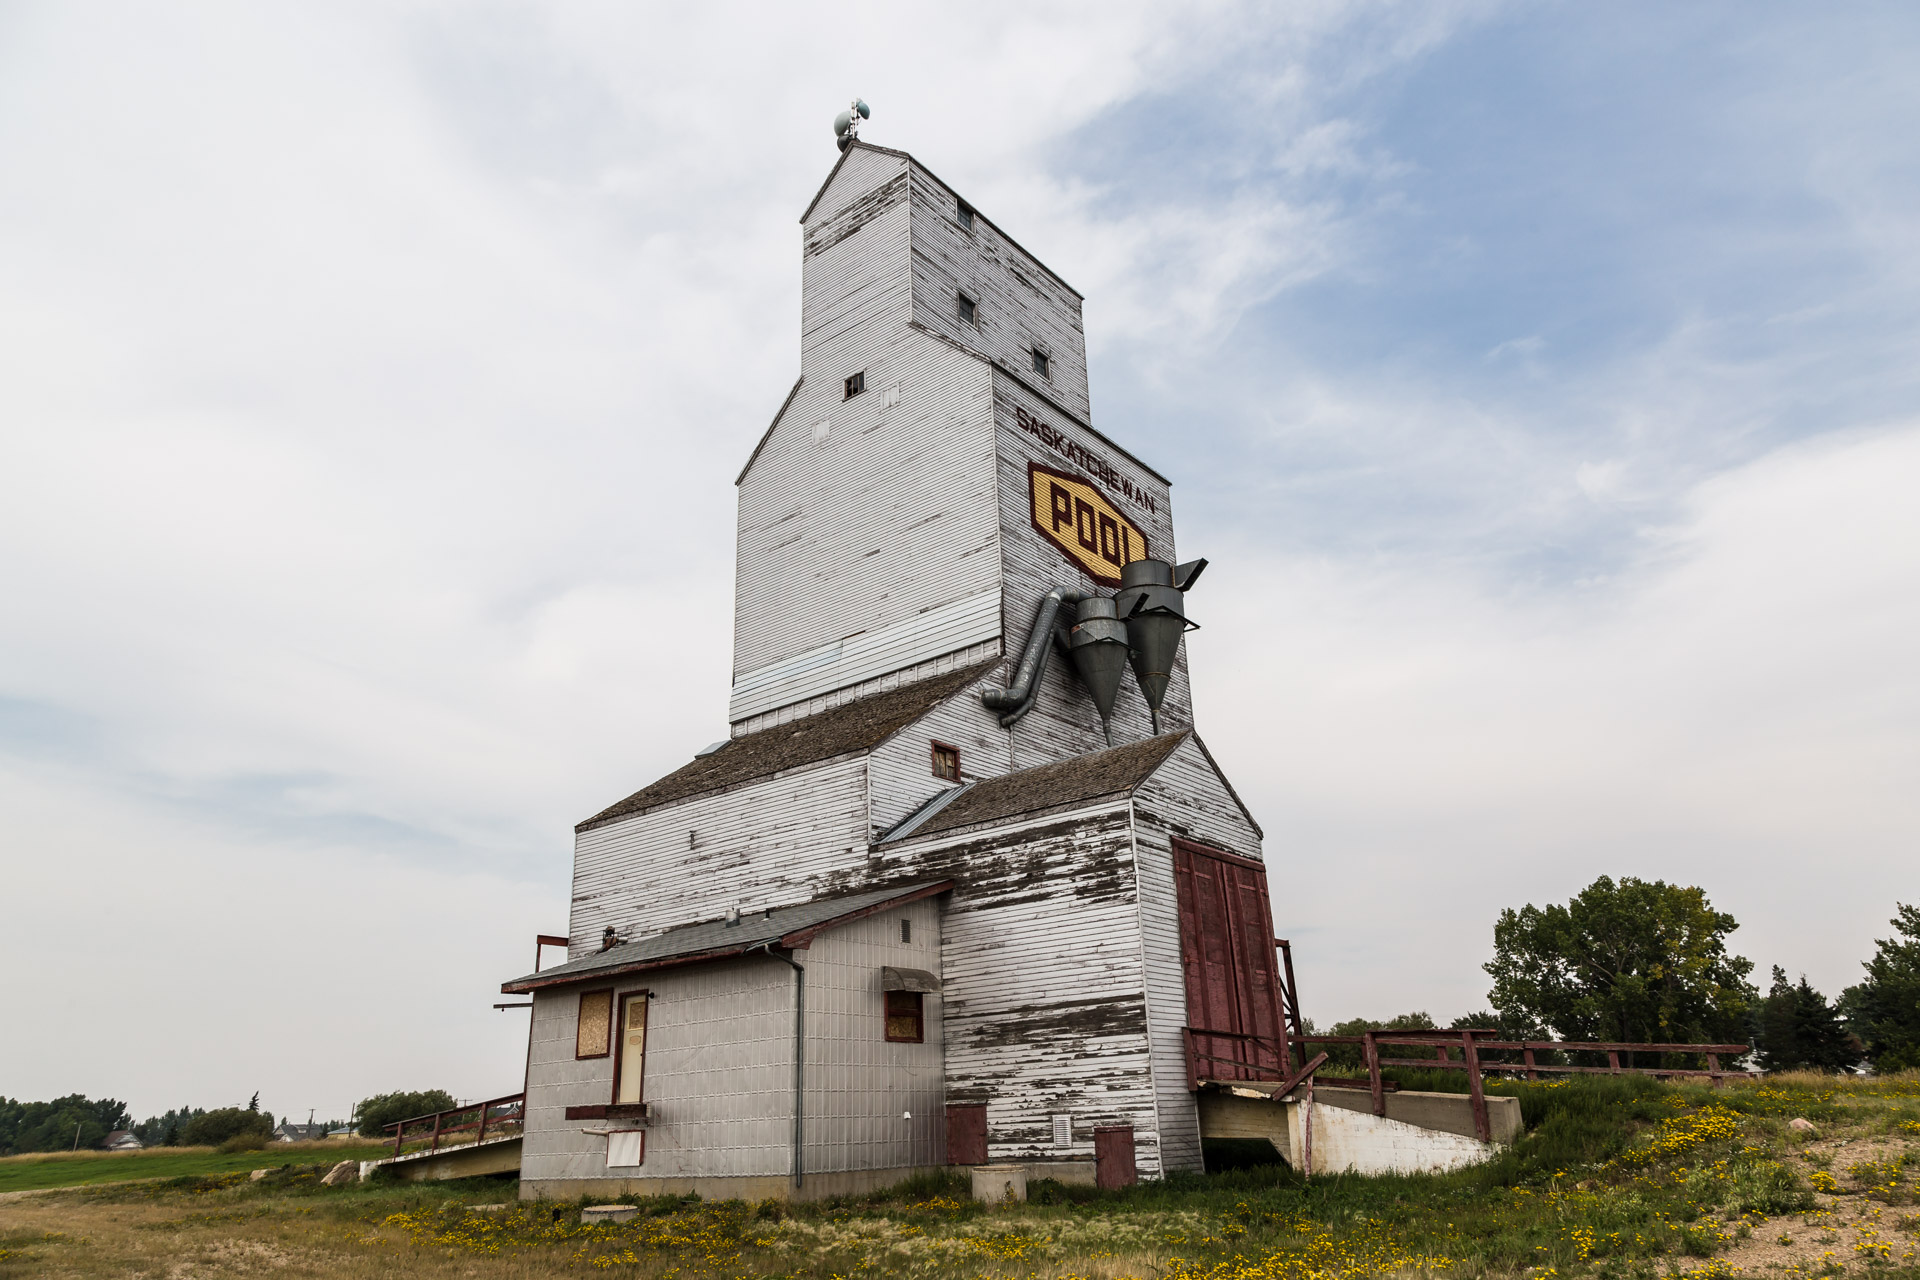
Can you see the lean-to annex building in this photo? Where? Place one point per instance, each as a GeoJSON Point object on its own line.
{"type": "Point", "coordinates": [964, 879]}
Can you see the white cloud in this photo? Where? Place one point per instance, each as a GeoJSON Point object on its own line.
{"type": "Point", "coordinates": [1737, 710]}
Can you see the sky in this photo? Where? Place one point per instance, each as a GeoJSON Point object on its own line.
{"type": "Point", "coordinates": [1538, 378]}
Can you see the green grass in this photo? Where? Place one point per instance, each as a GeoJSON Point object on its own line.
{"type": "Point", "coordinates": [86, 1168]}
{"type": "Point", "coordinates": [1618, 1178]}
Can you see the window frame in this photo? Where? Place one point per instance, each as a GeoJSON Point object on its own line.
{"type": "Point", "coordinates": [854, 384]}
{"type": "Point", "coordinates": [966, 310]}
{"type": "Point", "coordinates": [919, 1015]}
{"type": "Point", "coordinates": [1042, 362]}
{"type": "Point", "coordinates": [581, 1008]}
{"type": "Point", "coordinates": [935, 747]}
{"type": "Point", "coordinates": [964, 214]}
{"type": "Point", "coordinates": [620, 1003]}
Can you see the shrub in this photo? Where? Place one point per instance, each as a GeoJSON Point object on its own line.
{"type": "Point", "coordinates": [383, 1109]}
{"type": "Point", "coordinates": [211, 1128]}
{"type": "Point", "coordinates": [250, 1140]}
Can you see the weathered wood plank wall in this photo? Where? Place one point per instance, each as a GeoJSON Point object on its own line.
{"type": "Point", "coordinates": [1042, 961]}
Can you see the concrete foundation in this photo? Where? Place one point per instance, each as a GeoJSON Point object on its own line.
{"type": "Point", "coordinates": [1442, 1112]}
{"type": "Point", "coordinates": [816, 1186]}
{"type": "Point", "coordinates": [1421, 1132]}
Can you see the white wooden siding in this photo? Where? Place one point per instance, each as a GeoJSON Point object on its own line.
{"type": "Point", "coordinates": [889, 517]}
{"type": "Point", "coordinates": [1166, 993]}
{"type": "Point", "coordinates": [870, 655]}
{"type": "Point", "coordinates": [839, 697]}
{"type": "Point", "coordinates": [900, 770]}
{"type": "Point", "coordinates": [1187, 797]}
{"type": "Point", "coordinates": [1063, 722]}
{"type": "Point", "coordinates": [1044, 992]}
{"type": "Point", "coordinates": [1020, 303]}
{"type": "Point", "coordinates": [767, 843]}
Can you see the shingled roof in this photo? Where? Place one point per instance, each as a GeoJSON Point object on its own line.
{"type": "Point", "coordinates": [1113, 772]}
{"type": "Point", "coordinates": [706, 940]}
{"type": "Point", "coordinates": [856, 726]}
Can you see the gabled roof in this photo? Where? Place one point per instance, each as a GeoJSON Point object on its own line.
{"type": "Point", "coordinates": [785, 927]}
{"type": "Point", "coordinates": [902, 155]}
{"type": "Point", "coordinates": [856, 726]}
{"type": "Point", "coordinates": [855, 145]}
{"type": "Point", "coordinates": [1068, 784]}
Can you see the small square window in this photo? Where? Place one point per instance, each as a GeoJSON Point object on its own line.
{"type": "Point", "coordinates": [1040, 362]}
{"type": "Point", "coordinates": [966, 217]}
{"type": "Point", "coordinates": [906, 1017]}
{"type": "Point", "coordinates": [969, 313]}
{"type": "Point", "coordinates": [855, 385]}
{"type": "Point", "coordinates": [946, 762]}
{"type": "Point", "coordinates": [906, 928]}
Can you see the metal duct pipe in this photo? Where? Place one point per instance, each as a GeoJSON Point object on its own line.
{"type": "Point", "coordinates": [799, 1054]}
{"type": "Point", "coordinates": [1016, 699]}
{"type": "Point", "coordinates": [1155, 613]}
{"type": "Point", "coordinates": [1098, 646]}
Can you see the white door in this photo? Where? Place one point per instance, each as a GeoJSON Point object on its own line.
{"type": "Point", "coordinates": [633, 1047]}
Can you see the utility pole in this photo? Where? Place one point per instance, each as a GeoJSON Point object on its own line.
{"type": "Point", "coordinates": [76, 1134]}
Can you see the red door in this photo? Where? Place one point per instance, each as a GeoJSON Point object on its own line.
{"type": "Point", "coordinates": [1233, 978]}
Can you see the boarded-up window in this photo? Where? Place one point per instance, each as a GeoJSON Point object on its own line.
{"type": "Point", "coordinates": [593, 1036]}
{"type": "Point", "coordinates": [1232, 977]}
{"type": "Point", "coordinates": [906, 1016]}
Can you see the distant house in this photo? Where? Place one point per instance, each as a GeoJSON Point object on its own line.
{"type": "Point", "coordinates": [122, 1140]}
{"type": "Point", "coordinates": [300, 1133]}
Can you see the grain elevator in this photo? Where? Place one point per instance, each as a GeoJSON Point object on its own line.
{"type": "Point", "coordinates": [963, 884]}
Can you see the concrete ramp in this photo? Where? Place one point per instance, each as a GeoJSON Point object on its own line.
{"type": "Point", "coordinates": [1420, 1133]}
{"type": "Point", "coordinates": [471, 1160]}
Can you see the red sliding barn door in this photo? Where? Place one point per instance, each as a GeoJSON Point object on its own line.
{"type": "Point", "coordinates": [1233, 977]}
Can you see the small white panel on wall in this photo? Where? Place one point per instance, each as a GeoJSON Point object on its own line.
{"type": "Point", "coordinates": [626, 1148]}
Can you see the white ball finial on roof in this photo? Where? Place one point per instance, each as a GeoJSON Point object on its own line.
{"type": "Point", "coordinates": [846, 125]}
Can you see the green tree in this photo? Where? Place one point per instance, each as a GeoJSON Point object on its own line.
{"type": "Point", "coordinates": [1884, 1011]}
{"type": "Point", "coordinates": [211, 1128]}
{"type": "Point", "coordinates": [165, 1130]}
{"type": "Point", "coordinates": [1349, 1055]}
{"type": "Point", "coordinates": [383, 1109]}
{"type": "Point", "coordinates": [56, 1125]}
{"type": "Point", "coordinates": [1633, 961]}
{"type": "Point", "coordinates": [1794, 1027]}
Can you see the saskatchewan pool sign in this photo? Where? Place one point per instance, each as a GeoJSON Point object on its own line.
{"type": "Point", "coordinates": [1089, 530]}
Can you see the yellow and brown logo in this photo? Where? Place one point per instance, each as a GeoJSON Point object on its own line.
{"type": "Point", "coordinates": [1077, 518]}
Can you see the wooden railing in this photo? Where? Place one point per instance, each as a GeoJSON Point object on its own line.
{"type": "Point", "coordinates": [1443, 1041]}
{"type": "Point", "coordinates": [498, 1114]}
{"type": "Point", "coordinates": [1471, 1043]}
